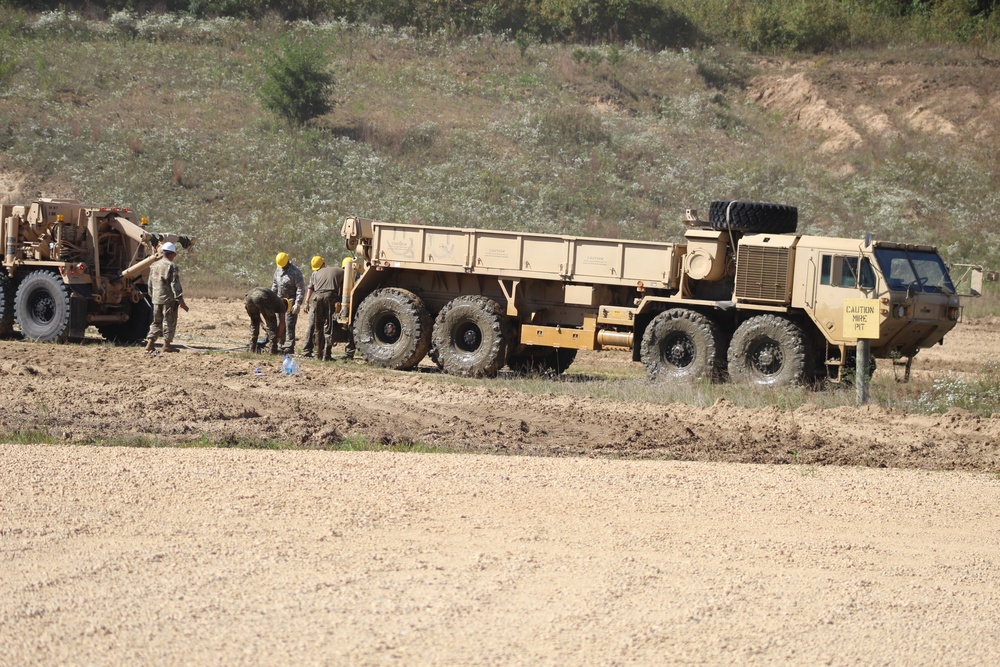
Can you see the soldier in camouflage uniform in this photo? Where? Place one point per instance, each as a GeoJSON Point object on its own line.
{"type": "Point", "coordinates": [326, 283]}
{"type": "Point", "coordinates": [264, 304]}
{"type": "Point", "coordinates": [288, 284]}
{"type": "Point", "coordinates": [166, 293]}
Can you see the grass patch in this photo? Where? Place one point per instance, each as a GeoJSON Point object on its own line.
{"type": "Point", "coordinates": [29, 437]}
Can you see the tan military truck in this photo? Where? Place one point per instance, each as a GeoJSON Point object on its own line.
{"type": "Point", "coordinates": [68, 265]}
{"type": "Point", "coordinates": [743, 298]}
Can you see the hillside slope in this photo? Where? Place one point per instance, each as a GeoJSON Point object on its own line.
{"type": "Point", "coordinates": [486, 132]}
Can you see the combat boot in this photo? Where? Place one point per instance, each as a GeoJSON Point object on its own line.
{"type": "Point", "coordinates": [169, 347]}
{"type": "Point", "coordinates": [150, 345]}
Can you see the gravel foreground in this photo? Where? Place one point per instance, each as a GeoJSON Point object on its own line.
{"type": "Point", "coordinates": [120, 556]}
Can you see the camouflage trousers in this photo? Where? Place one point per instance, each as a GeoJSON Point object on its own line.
{"type": "Point", "coordinates": [164, 321]}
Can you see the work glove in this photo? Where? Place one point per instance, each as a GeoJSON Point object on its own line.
{"type": "Point", "coordinates": [295, 309]}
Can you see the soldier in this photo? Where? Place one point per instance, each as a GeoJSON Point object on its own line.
{"type": "Point", "coordinates": [166, 293]}
{"type": "Point", "coordinates": [326, 283]}
{"type": "Point", "coordinates": [288, 284]}
{"type": "Point", "coordinates": [264, 304]}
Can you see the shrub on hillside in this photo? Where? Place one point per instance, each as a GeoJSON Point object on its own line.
{"type": "Point", "coordinates": [296, 84]}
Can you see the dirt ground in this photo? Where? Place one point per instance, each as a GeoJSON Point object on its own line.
{"type": "Point", "coordinates": [583, 553]}
{"type": "Point", "coordinates": [203, 393]}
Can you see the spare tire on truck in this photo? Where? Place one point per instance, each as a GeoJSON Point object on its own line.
{"type": "Point", "coordinates": [748, 216]}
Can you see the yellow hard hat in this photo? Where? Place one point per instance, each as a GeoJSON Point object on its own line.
{"type": "Point", "coordinates": [317, 263]}
{"type": "Point", "coordinates": [281, 259]}
{"type": "Point", "coordinates": [288, 305]}
{"type": "Point", "coordinates": [347, 260]}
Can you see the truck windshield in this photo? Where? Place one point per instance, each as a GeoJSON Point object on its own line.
{"type": "Point", "coordinates": [924, 271]}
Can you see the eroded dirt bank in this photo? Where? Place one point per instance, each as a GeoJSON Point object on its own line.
{"type": "Point", "coordinates": [115, 556]}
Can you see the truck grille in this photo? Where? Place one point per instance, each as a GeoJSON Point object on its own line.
{"type": "Point", "coordinates": [762, 274]}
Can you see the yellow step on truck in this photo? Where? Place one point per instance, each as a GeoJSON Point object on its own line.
{"type": "Point", "coordinates": [743, 299]}
{"type": "Point", "coordinates": [68, 265]}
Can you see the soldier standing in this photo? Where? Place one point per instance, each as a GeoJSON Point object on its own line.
{"type": "Point", "coordinates": [326, 283]}
{"type": "Point", "coordinates": [166, 293]}
{"type": "Point", "coordinates": [288, 284]}
{"type": "Point", "coordinates": [264, 304]}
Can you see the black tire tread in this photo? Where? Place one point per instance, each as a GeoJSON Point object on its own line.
{"type": "Point", "coordinates": [58, 331]}
{"type": "Point", "coordinates": [490, 318]}
{"type": "Point", "coordinates": [797, 362]}
{"type": "Point", "coordinates": [705, 334]}
{"type": "Point", "coordinates": [415, 321]}
{"type": "Point", "coordinates": [760, 217]}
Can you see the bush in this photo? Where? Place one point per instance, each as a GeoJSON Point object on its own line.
{"type": "Point", "coordinates": [296, 86]}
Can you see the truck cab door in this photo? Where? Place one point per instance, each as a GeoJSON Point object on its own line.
{"type": "Point", "coordinates": [840, 276]}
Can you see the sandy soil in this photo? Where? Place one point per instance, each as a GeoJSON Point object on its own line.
{"type": "Point", "coordinates": [121, 555]}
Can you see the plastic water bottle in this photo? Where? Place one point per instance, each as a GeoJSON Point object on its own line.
{"type": "Point", "coordinates": [290, 366]}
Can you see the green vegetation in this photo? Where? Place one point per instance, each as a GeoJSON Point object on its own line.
{"type": "Point", "coordinates": [296, 87]}
{"type": "Point", "coordinates": [760, 25]}
{"type": "Point", "coordinates": [441, 122]}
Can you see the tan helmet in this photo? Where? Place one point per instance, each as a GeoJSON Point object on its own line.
{"type": "Point", "coordinates": [317, 263]}
{"type": "Point", "coordinates": [281, 259]}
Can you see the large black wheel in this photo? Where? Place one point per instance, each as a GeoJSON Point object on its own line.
{"type": "Point", "coordinates": [681, 344]}
{"type": "Point", "coordinates": [542, 360]}
{"type": "Point", "coordinates": [42, 307]}
{"type": "Point", "coordinates": [471, 336]}
{"type": "Point", "coordinates": [748, 216]}
{"type": "Point", "coordinates": [769, 350]}
{"type": "Point", "coordinates": [135, 330]}
{"type": "Point", "coordinates": [6, 305]}
{"type": "Point", "coordinates": [392, 329]}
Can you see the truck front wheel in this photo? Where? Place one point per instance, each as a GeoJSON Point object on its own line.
{"type": "Point", "coordinates": [42, 307]}
{"type": "Point", "coordinates": [768, 350]}
{"type": "Point", "coordinates": [471, 337]}
{"type": "Point", "coordinates": [681, 344]}
{"type": "Point", "coordinates": [392, 329]}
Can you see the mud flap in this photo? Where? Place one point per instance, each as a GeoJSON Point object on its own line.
{"type": "Point", "coordinates": [79, 304]}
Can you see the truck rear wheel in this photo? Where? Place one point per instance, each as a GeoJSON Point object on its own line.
{"type": "Point", "coordinates": [748, 216]}
{"type": "Point", "coordinates": [42, 307]}
{"type": "Point", "coordinates": [135, 330]}
{"type": "Point", "coordinates": [471, 336]}
{"type": "Point", "coordinates": [392, 329]}
{"type": "Point", "coordinates": [681, 344]}
{"type": "Point", "coordinates": [6, 305]}
{"type": "Point", "coordinates": [542, 360]}
{"type": "Point", "coordinates": [768, 350]}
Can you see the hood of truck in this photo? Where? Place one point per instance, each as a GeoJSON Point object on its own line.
{"type": "Point", "coordinates": [926, 323]}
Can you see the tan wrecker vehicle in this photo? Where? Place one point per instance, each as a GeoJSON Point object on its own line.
{"type": "Point", "coordinates": [68, 265]}
{"type": "Point", "coordinates": [744, 298]}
